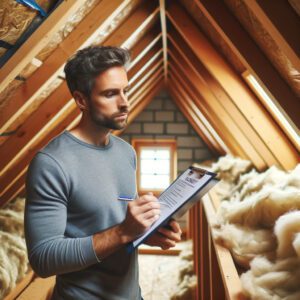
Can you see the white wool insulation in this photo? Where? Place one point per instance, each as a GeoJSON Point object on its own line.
{"type": "Point", "coordinates": [229, 169]}
{"type": "Point", "coordinates": [260, 223]}
{"type": "Point", "coordinates": [187, 281]}
{"type": "Point", "coordinates": [13, 252]}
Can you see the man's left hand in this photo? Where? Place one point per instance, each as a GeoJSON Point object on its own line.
{"type": "Point", "coordinates": [165, 237]}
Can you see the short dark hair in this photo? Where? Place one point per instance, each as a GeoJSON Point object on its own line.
{"type": "Point", "coordinates": [86, 64]}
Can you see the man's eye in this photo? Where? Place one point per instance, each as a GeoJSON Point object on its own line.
{"type": "Point", "coordinates": [109, 94]}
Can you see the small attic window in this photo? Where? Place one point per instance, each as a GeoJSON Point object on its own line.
{"type": "Point", "coordinates": [274, 108]}
{"type": "Point", "coordinates": [156, 164]}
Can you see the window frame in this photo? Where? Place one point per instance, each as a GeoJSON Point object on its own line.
{"type": "Point", "coordinates": [138, 144]}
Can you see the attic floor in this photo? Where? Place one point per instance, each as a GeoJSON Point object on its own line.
{"type": "Point", "coordinates": [158, 276]}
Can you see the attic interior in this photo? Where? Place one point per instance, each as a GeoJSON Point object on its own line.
{"type": "Point", "coordinates": [218, 82]}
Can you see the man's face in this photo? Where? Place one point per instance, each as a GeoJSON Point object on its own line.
{"type": "Point", "coordinates": [108, 105]}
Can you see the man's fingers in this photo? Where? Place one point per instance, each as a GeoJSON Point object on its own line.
{"type": "Point", "coordinates": [175, 226]}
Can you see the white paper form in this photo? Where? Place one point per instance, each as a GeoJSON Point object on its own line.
{"type": "Point", "coordinates": [176, 195]}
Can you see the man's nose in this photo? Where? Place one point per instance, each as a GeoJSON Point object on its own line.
{"type": "Point", "coordinates": [123, 102]}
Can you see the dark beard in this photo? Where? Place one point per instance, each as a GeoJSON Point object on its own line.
{"type": "Point", "coordinates": [108, 123]}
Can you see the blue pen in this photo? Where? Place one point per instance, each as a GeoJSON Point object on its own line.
{"type": "Point", "coordinates": [124, 198]}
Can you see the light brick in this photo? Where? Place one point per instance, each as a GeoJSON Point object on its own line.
{"type": "Point", "coordinates": [169, 104]}
{"type": "Point", "coordinates": [134, 128]}
{"type": "Point", "coordinates": [177, 128]}
{"type": "Point", "coordinates": [156, 104]}
{"type": "Point", "coordinates": [180, 117]}
{"type": "Point", "coordinates": [185, 154]}
{"type": "Point", "coordinates": [165, 136]}
{"type": "Point", "coordinates": [153, 128]}
{"type": "Point", "coordinates": [183, 165]}
{"type": "Point", "coordinates": [189, 142]}
{"type": "Point", "coordinates": [142, 136]}
{"type": "Point", "coordinates": [145, 116]}
{"type": "Point", "coordinates": [164, 116]}
{"type": "Point", "coordinates": [202, 154]}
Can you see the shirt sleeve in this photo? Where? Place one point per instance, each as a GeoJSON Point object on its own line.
{"type": "Point", "coordinates": [49, 251]}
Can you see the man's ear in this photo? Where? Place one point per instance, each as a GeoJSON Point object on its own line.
{"type": "Point", "coordinates": [80, 100]}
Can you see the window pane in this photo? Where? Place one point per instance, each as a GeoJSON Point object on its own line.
{"type": "Point", "coordinates": [162, 167]}
{"type": "Point", "coordinates": [149, 153]}
{"type": "Point", "coordinates": [147, 166]}
{"type": "Point", "coordinates": [163, 154]}
{"type": "Point", "coordinates": [155, 181]}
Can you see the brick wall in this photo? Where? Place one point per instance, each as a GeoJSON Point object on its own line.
{"type": "Point", "coordinates": [162, 119]}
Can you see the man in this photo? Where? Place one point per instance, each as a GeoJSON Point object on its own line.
{"type": "Point", "coordinates": [75, 227]}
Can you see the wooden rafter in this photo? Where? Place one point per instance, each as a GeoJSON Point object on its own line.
{"type": "Point", "coordinates": [196, 115]}
{"type": "Point", "coordinates": [163, 23]}
{"type": "Point", "coordinates": [224, 100]}
{"type": "Point", "coordinates": [135, 26]}
{"type": "Point", "coordinates": [183, 102]}
{"type": "Point", "coordinates": [234, 88]}
{"type": "Point", "coordinates": [144, 46]}
{"type": "Point", "coordinates": [144, 71]}
{"type": "Point", "coordinates": [25, 94]}
{"type": "Point", "coordinates": [231, 133]}
{"type": "Point", "coordinates": [37, 41]}
{"type": "Point", "coordinates": [281, 22]}
{"type": "Point", "coordinates": [149, 57]}
{"type": "Point", "coordinates": [252, 57]}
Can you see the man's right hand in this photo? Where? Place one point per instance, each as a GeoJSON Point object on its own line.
{"type": "Point", "coordinates": [141, 214]}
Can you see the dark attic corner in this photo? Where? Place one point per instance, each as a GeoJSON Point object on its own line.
{"type": "Point", "coordinates": [212, 85]}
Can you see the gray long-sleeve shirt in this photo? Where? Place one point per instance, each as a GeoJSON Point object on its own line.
{"type": "Point", "coordinates": [72, 189]}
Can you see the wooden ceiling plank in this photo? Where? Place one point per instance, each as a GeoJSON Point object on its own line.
{"type": "Point", "coordinates": [234, 137]}
{"type": "Point", "coordinates": [282, 23]}
{"type": "Point", "coordinates": [37, 41]}
{"type": "Point", "coordinates": [144, 46]}
{"type": "Point", "coordinates": [135, 26]}
{"type": "Point", "coordinates": [52, 66]}
{"type": "Point", "coordinates": [183, 102]}
{"type": "Point", "coordinates": [215, 119]}
{"type": "Point", "coordinates": [185, 91]}
{"type": "Point", "coordinates": [145, 73]}
{"type": "Point", "coordinates": [163, 23]}
{"type": "Point", "coordinates": [235, 88]}
{"type": "Point", "coordinates": [224, 100]}
{"type": "Point", "coordinates": [146, 60]}
{"type": "Point", "coordinates": [251, 56]}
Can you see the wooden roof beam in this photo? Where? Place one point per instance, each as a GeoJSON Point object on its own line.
{"type": "Point", "coordinates": [163, 23]}
{"type": "Point", "coordinates": [233, 87]}
{"type": "Point", "coordinates": [252, 57]}
{"type": "Point", "coordinates": [222, 138]}
{"type": "Point", "coordinates": [193, 114]}
{"type": "Point", "coordinates": [224, 100]}
{"type": "Point", "coordinates": [230, 132]}
{"type": "Point", "coordinates": [143, 71]}
{"type": "Point", "coordinates": [144, 46]}
{"type": "Point", "coordinates": [37, 41]}
{"type": "Point", "coordinates": [282, 23]}
{"type": "Point", "coordinates": [139, 66]}
{"type": "Point", "coordinates": [25, 94]}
